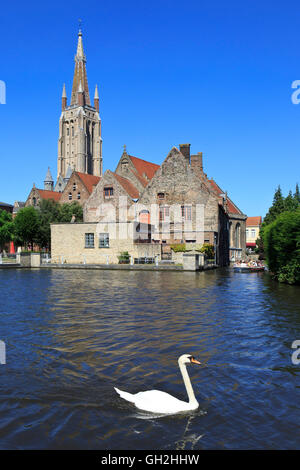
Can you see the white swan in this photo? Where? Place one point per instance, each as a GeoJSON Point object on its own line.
{"type": "Point", "coordinates": [161, 402]}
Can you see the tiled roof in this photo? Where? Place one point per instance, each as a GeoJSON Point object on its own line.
{"type": "Point", "coordinates": [142, 180]}
{"type": "Point", "coordinates": [89, 181]}
{"type": "Point", "coordinates": [143, 167]}
{"type": "Point", "coordinates": [44, 194]}
{"type": "Point", "coordinates": [232, 208]}
{"type": "Point", "coordinates": [128, 186]}
{"type": "Point", "coordinates": [254, 221]}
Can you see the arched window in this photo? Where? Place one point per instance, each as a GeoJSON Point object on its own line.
{"type": "Point", "coordinates": [237, 236]}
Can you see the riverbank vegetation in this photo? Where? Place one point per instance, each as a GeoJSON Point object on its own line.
{"type": "Point", "coordinates": [31, 226]}
{"type": "Point", "coordinates": [279, 238]}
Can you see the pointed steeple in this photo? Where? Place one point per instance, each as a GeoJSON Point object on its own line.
{"type": "Point", "coordinates": [80, 74]}
{"type": "Point", "coordinates": [80, 52]}
{"type": "Point", "coordinates": [48, 182]}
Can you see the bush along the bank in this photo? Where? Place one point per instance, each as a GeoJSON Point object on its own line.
{"type": "Point", "coordinates": [281, 240]}
{"type": "Point", "coordinates": [124, 257]}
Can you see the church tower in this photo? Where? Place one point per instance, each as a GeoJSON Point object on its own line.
{"type": "Point", "coordinates": [80, 142]}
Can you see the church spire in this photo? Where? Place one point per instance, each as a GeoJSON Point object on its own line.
{"type": "Point", "coordinates": [80, 74]}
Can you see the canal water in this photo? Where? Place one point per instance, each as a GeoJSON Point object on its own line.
{"type": "Point", "coordinates": [72, 335]}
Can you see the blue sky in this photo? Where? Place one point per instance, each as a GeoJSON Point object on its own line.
{"type": "Point", "coordinates": [215, 74]}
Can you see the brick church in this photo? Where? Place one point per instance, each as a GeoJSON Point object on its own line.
{"type": "Point", "coordinates": [178, 186]}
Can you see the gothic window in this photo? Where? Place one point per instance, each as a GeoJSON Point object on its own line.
{"type": "Point", "coordinates": [103, 240]}
{"type": "Point", "coordinates": [72, 131]}
{"type": "Point", "coordinates": [74, 187]}
{"type": "Point", "coordinates": [108, 192]}
{"type": "Point", "coordinates": [68, 131]}
{"type": "Point", "coordinates": [78, 195]}
{"type": "Point", "coordinates": [70, 196]}
{"type": "Point", "coordinates": [237, 236]}
{"type": "Point", "coordinates": [34, 201]}
{"type": "Point", "coordinates": [89, 240]}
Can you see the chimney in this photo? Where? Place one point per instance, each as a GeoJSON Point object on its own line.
{"type": "Point", "coordinates": [197, 163]}
{"type": "Point", "coordinates": [96, 99]}
{"type": "Point", "coordinates": [185, 149]}
{"type": "Point", "coordinates": [64, 99]}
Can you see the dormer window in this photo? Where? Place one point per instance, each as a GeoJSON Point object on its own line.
{"type": "Point", "coordinates": [108, 192]}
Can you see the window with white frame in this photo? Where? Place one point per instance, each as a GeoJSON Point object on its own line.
{"type": "Point", "coordinates": [103, 240]}
{"type": "Point", "coordinates": [89, 240]}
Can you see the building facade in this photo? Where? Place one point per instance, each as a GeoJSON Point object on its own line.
{"type": "Point", "coordinates": [253, 225]}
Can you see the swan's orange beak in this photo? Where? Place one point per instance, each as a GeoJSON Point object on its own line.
{"type": "Point", "coordinates": [194, 361]}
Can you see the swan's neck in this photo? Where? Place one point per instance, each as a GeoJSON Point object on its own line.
{"type": "Point", "coordinates": [187, 383]}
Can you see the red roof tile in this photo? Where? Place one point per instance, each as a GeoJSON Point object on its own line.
{"type": "Point", "coordinates": [89, 181]}
{"type": "Point", "coordinates": [232, 208]}
{"type": "Point", "coordinates": [144, 167]}
{"type": "Point", "coordinates": [44, 194]}
{"type": "Point", "coordinates": [128, 186]}
{"type": "Point", "coordinates": [254, 221]}
{"type": "Point", "coordinates": [142, 180]}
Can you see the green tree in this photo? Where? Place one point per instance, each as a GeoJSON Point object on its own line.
{"type": "Point", "coordinates": [68, 210]}
{"type": "Point", "coordinates": [27, 226]}
{"type": "Point", "coordinates": [276, 208]}
{"type": "Point", "coordinates": [48, 212]}
{"type": "Point", "coordinates": [6, 228]}
{"type": "Point", "coordinates": [282, 246]}
{"type": "Point", "coordinates": [297, 194]}
{"type": "Point", "coordinates": [290, 202]}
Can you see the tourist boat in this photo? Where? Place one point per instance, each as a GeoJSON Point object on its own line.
{"type": "Point", "coordinates": [244, 268]}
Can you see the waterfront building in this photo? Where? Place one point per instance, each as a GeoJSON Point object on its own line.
{"type": "Point", "coordinates": [178, 182]}
{"type": "Point", "coordinates": [149, 195]}
{"type": "Point", "coordinates": [253, 225]}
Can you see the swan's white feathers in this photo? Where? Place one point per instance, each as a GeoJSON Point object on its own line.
{"type": "Point", "coordinates": [156, 401]}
